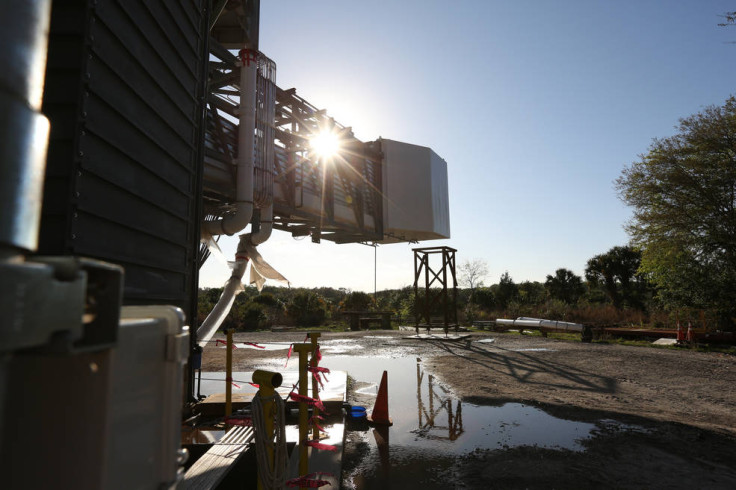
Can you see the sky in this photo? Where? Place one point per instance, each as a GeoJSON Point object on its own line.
{"type": "Point", "coordinates": [536, 106]}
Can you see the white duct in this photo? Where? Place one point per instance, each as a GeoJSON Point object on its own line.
{"type": "Point", "coordinates": [538, 323]}
{"type": "Point", "coordinates": [239, 219]}
{"type": "Point", "coordinates": [260, 271]}
{"type": "Point", "coordinates": [218, 314]}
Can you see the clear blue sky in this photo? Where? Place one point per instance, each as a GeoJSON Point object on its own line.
{"type": "Point", "coordinates": [535, 105]}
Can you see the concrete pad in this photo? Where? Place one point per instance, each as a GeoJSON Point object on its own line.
{"type": "Point", "coordinates": [665, 342]}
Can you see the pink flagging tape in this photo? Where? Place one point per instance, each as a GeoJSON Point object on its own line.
{"type": "Point", "coordinates": [313, 421]}
{"type": "Point", "coordinates": [323, 447]}
{"type": "Point", "coordinates": [288, 354]}
{"type": "Point", "coordinates": [308, 400]}
{"type": "Point", "coordinates": [220, 341]}
{"type": "Point", "coordinates": [311, 480]}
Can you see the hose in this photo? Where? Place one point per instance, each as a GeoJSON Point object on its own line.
{"type": "Point", "coordinates": [270, 478]}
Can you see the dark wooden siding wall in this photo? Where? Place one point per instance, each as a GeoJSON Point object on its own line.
{"type": "Point", "coordinates": [125, 85]}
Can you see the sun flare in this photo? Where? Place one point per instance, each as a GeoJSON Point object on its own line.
{"type": "Point", "coordinates": [325, 144]}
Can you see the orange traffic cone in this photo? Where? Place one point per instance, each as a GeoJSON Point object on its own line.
{"type": "Point", "coordinates": [380, 409]}
{"type": "Point", "coordinates": [690, 337]}
{"type": "Point", "coordinates": [680, 333]}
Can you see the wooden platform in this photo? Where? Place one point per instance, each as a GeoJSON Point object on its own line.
{"type": "Point", "coordinates": [211, 468]}
{"type": "Point", "coordinates": [213, 385]}
{"type": "Point", "coordinates": [641, 332]}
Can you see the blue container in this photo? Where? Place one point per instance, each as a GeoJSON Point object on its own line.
{"type": "Point", "coordinates": [356, 412]}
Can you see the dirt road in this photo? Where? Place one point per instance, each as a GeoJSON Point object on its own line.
{"type": "Point", "coordinates": [682, 403]}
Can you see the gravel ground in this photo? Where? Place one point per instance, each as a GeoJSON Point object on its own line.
{"type": "Point", "coordinates": [682, 402]}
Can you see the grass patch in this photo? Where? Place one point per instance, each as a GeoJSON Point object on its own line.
{"type": "Point", "coordinates": [722, 349]}
{"type": "Point", "coordinates": [575, 337]}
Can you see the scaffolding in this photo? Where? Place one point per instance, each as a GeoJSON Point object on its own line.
{"type": "Point", "coordinates": [437, 304]}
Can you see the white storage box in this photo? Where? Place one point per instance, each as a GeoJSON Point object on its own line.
{"type": "Point", "coordinates": [416, 204]}
{"type": "Point", "coordinates": [144, 425]}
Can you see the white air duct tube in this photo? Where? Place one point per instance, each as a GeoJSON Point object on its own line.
{"type": "Point", "coordinates": [246, 250]}
{"type": "Point", "coordinates": [538, 323]}
{"type": "Point", "coordinates": [218, 314]}
{"type": "Point", "coordinates": [239, 219]}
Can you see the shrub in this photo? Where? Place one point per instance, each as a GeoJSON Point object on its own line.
{"type": "Point", "coordinates": [357, 301]}
{"type": "Point", "coordinates": [307, 309]}
{"type": "Point", "coordinates": [252, 316]}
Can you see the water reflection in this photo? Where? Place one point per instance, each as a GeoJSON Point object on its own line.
{"type": "Point", "coordinates": [432, 427]}
{"type": "Point", "coordinates": [428, 417]}
{"type": "Point", "coordinates": [437, 404]}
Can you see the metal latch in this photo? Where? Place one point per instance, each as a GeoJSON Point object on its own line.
{"type": "Point", "coordinates": [177, 346]}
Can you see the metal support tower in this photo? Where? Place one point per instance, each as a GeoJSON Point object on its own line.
{"type": "Point", "coordinates": [437, 297]}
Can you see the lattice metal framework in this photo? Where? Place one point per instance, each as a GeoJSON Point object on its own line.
{"type": "Point", "coordinates": [221, 141]}
{"type": "Point", "coordinates": [345, 192]}
{"type": "Point", "coordinates": [338, 199]}
{"type": "Point", "coordinates": [438, 285]}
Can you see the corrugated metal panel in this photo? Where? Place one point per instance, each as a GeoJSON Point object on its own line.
{"type": "Point", "coordinates": [124, 94]}
{"type": "Point", "coordinates": [416, 204]}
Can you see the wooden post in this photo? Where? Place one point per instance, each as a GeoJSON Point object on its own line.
{"type": "Point", "coordinates": [314, 337]}
{"type": "Point", "coordinates": [229, 374]}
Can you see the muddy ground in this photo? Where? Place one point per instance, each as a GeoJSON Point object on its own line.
{"type": "Point", "coordinates": [681, 405]}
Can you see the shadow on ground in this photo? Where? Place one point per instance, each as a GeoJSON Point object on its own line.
{"type": "Point", "coordinates": [624, 453]}
{"type": "Point", "coordinates": [526, 368]}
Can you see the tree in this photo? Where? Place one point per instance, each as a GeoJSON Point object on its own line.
{"type": "Point", "coordinates": [617, 271]}
{"type": "Point", "coordinates": [531, 293]}
{"type": "Point", "coordinates": [505, 291]}
{"type": "Point", "coordinates": [730, 18]}
{"type": "Point", "coordinates": [307, 309]}
{"type": "Point", "coordinates": [484, 297]}
{"type": "Point", "coordinates": [357, 301]}
{"type": "Point", "coordinates": [565, 285]}
{"type": "Point", "coordinates": [472, 273]}
{"type": "Point", "coordinates": [683, 193]}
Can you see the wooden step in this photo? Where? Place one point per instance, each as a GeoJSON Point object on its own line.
{"type": "Point", "coordinates": [209, 470]}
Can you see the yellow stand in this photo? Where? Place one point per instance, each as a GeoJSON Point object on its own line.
{"type": "Point", "coordinates": [303, 350]}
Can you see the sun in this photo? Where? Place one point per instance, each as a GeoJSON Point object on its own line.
{"type": "Point", "coordinates": [325, 144]}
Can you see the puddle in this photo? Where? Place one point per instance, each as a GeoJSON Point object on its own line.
{"type": "Point", "coordinates": [427, 416]}
{"type": "Point", "coordinates": [432, 426]}
{"type": "Point", "coordinates": [340, 346]}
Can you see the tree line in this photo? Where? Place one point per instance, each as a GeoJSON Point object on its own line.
{"type": "Point", "coordinates": [611, 286]}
